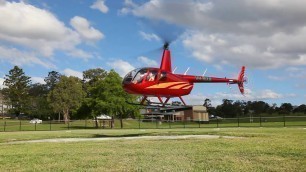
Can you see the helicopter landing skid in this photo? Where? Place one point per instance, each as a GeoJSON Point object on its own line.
{"type": "Point", "coordinates": [145, 98]}
{"type": "Point", "coordinates": [162, 107]}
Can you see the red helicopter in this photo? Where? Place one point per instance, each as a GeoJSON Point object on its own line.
{"type": "Point", "coordinates": [162, 82]}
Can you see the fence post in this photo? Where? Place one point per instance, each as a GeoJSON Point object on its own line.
{"type": "Point", "coordinates": [284, 120]}
{"type": "Point", "coordinates": [217, 123]}
{"type": "Point", "coordinates": [50, 124]}
{"type": "Point", "coordinates": [260, 120]}
{"type": "Point", "coordinates": [156, 123]}
{"type": "Point", "coordinates": [199, 123]}
{"type": "Point", "coordinates": [184, 122]}
{"type": "Point", "coordinates": [139, 121]}
{"type": "Point", "coordinates": [19, 125]}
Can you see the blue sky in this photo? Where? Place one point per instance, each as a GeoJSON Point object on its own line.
{"type": "Point", "coordinates": [71, 36]}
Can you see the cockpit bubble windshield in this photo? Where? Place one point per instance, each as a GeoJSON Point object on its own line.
{"type": "Point", "coordinates": [129, 77]}
{"type": "Point", "coordinates": [135, 76]}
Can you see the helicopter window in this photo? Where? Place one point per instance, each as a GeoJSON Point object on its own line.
{"type": "Point", "coordinates": [129, 77]}
{"type": "Point", "coordinates": [139, 76]}
{"type": "Point", "coordinates": [152, 75]}
{"type": "Point", "coordinates": [163, 75]}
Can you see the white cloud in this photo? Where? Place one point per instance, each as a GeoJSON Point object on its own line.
{"type": "Point", "coordinates": [17, 57]}
{"type": "Point", "coordinates": [80, 53]}
{"type": "Point", "coordinates": [258, 34]}
{"type": "Point", "coordinates": [127, 9]}
{"type": "Point", "coordinates": [230, 16]}
{"type": "Point", "coordinates": [35, 28]}
{"type": "Point", "coordinates": [130, 3]}
{"type": "Point", "coordinates": [148, 62]}
{"type": "Point", "coordinates": [296, 72]}
{"type": "Point", "coordinates": [70, 72]}
{"type": "Point", "coordinates": [121, 66]}
{"type": "Point", "coordinates": [266, 94]}
{"type": "Point", "coordinates": [276, 78]}
{"type": "Point", "coordinates": [100, 5]}
{"type": "Point", "coordinates": [194, 99]}
{"type": "Point", "coordinates": [38, 34]}
{"type": "Point", "coordinates": [216, 99]}
{"type": "Point", "coordinates": [149, 36]}
{"type": "Point", "coordinates": [252, 51]}
{"type": "Point", "coordinates": [1, 81]}
{"type": "Point", "coordinates": [39, 80]}
{"type": "Point", "coordinates": [87, 32]}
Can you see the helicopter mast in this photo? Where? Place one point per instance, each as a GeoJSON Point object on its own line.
{"type": "Point", "coordinates": [166, 59]}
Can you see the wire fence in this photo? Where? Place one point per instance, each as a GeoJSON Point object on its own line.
{"type": "Point", "coordinates": [52, 125]}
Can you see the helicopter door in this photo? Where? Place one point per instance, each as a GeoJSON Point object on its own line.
{"type": "Point", "coordinates": [163, 76]}
{"type": "Point", "coordinates": [152, 74]}
{"type": "Point", "coordinates": [139, 76]}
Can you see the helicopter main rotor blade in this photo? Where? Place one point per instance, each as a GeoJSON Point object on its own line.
{"type": "Point", "coordinates": [167, 32]}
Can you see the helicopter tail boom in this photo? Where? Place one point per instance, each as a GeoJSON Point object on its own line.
{"type": "Point", "coordinates": [205, 79]}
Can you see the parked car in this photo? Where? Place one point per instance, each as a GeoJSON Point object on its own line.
{"type": "Point", "coordinates": [215, 117]}
{"type": "Point", "coordinates": [36, 121]}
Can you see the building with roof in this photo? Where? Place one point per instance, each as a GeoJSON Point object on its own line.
{"type": "Point", "coordinates": [197, 113]}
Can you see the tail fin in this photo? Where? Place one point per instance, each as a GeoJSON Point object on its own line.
{"type": "Point", "coordinates": [241, 80]}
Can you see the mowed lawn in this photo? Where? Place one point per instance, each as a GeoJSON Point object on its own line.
{"type": "Point", "coordinates": [254, 149]}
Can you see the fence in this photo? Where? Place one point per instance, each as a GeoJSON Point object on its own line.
{"type": "Point", "coordinates": [280, 121]}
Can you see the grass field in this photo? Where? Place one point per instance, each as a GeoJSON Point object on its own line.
{"type": "Point", "coordinates": [254, 149]}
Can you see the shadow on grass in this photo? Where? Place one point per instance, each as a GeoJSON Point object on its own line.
{"type": "Point", "coordinates": [83, 127]}
{"type": "Point", "coordinates": [121, 135]}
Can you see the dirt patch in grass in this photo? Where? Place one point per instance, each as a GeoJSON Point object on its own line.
{"type": "Point", "coordinates": [57, 140]}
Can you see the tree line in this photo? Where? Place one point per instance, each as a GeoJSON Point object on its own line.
{"type": "Point", "coordinates": [63, 97]}
{"type": "Point", "coordinates": [233, 109]}
{"type": "Point", "coordinates": [101, 92]}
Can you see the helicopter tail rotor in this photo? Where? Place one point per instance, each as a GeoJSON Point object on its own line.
{"type": "Point", "coordinates": [241, 80]}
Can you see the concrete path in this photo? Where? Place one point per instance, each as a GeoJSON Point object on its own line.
{"type": "Point", "coordinates": [58, 140]}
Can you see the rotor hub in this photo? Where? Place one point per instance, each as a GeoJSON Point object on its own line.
{"type": "Point", "coordinates": [166, 46]}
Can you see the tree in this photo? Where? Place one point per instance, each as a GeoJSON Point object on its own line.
{"type": "Point", "coordinates": [38, 97]}
{"type": "Point", "coordinates": [107, 96]}
{"type": "Point", "coordinates": [285, 108]}
{"type": "Point", "coordinates": [240, 108]}
{"type": "Point", "coordinates": [2, 103]}
{"type": "Point", "coordinates": [91, 76]}
{"type": "Point", "coordinates": [272, 108]}
{"type": "Point", "coordinates": [90, 81]}
{"type": "Point", "coordinates": [227, 108]}
{"type": "Point", "coordinates": [67, 95]}
{"type": "Point", "coordinates": [258, 107]}
{"type": "Point", "coordinates": [116, 98]}
{"type": "Point", "coordinates": [300, 109]}
{"type": "Point", "coordinates": [52, 79]}
{"type": "Point", "coordinates": [17, 90]}
{"type": "Point", "coordinates": [209, 108]}
{"type": "Point", "coordinates": [207, 103]}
